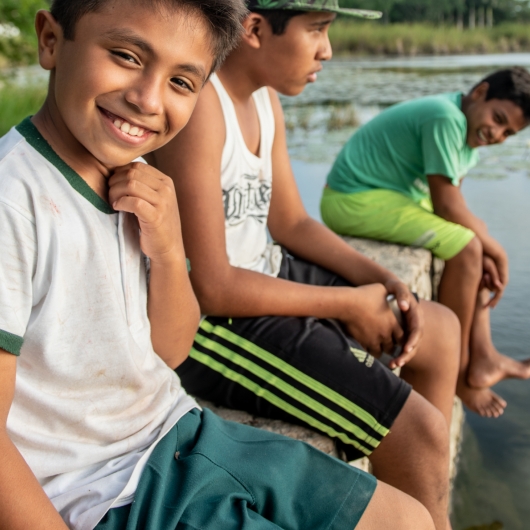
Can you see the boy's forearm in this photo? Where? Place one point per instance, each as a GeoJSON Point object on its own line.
{"type": "Point", "coordinates": [23, 503]}
{"type": "Point", "coordinates": [316, 243]}
{"type": "Point", "coordinates": [243, 293]}
{"type": "Point", "coordinates": [173, 310]}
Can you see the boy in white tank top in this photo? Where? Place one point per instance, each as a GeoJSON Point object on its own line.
{"type": "Point", "coordinates": [287, 335]}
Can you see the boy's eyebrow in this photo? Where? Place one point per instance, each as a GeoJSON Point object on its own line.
{"type": "Point", "coordinates": [130, 37]}
{"type": "Point", "coordinates": [324, 22]}
{"type": "Point", "coordinates": [198, 71]}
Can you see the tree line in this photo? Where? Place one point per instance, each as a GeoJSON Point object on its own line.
{"type": "Point", "coordinates": [464, 14]}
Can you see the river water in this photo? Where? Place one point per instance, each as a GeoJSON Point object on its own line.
{"type": "Point", "coordinates": [492, 485]}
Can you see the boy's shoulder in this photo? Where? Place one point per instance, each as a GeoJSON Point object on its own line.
{"type": "Point", "coordinates": [9, 142]}
{"type": "Point", "coordinates": [446, 105]}
{"type": "Point", "coordinates": [18, 156]}
{"type": "Point", "coordinates": [20, 166]}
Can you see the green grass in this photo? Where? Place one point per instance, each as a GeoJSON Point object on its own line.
{"type": "Point", "coordinates": [371, 38]}
{"type": "Point", "coordinates": [18, 102]}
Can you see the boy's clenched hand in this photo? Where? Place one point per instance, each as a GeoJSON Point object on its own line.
{"type": "Point", "coordinates": [150, 195]}
{"type": "Point", "coordinates": [408, 304]}
{"type": "Point", "coordinates": [371, 321]}
{"type": "Point", "coordinates": [493, 280]}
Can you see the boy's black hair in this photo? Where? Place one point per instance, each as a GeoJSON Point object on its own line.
{"type": "Point", "coordinates": [224, 18]}
{"type": "Point", "coordinates": [278, 18]}
{"type": "Point", "coordinates": [510, 83]}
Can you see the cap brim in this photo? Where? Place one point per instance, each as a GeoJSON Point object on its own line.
{"type": "Point", "coordinates": [359, 13]}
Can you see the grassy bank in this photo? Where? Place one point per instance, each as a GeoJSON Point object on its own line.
{"type": "Point", "coordinates": [371, 38]}
{"type": "Point", "coordinates": [16, 103]}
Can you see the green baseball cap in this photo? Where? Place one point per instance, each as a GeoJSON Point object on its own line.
{"type": "Point", "coordinates": [312, 5]}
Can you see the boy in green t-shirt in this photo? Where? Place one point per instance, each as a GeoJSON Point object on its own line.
{"type": "Point", "coordinates": [398, 179]}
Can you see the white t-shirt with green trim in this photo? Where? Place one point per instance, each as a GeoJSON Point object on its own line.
{"type": "Point", "coordinates": [92, 398]}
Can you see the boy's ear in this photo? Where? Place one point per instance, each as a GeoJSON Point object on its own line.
{"type": "Point", "coordinates": [254, 27]}
{"type": "Point", "coordinates": [480, 92]}
{"type": "Point", "coordinates": [49, 34]}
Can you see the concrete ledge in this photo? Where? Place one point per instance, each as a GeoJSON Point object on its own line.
{"type": "Point", "coordinates": [313, 438]}
{"type": "Point", "coordinates": [414, 266]}
{"type": "Point", "coordinates": [421, 272]}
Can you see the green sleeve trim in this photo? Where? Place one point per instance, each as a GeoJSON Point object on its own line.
{"type": "Point", "coordinates": [188, 265]}
{"type": "Point", "coordinates": [10, 343]}
{"type": "Point", "coordinates": [34, 138]}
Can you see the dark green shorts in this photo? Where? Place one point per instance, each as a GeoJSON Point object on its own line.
{"type": "Point", "coordinates": [229, 476]}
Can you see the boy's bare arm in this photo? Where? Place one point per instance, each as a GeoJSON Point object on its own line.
{"type": "Point", "coordinates": [193, 160]}
{"type": "Point", "coordinates": [172, 307]}
{"type": "Point", "coordinates": [23, 503]}
{"type": "Point", "coordinates": [291, 226]}
{"type": "Point", "coordinates": [449, 203]}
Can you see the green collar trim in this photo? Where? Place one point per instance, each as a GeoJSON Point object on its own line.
{"type": "Point", "coordinates": [34, 138]}
{"type": "Point", "coordinates": [10, 343]}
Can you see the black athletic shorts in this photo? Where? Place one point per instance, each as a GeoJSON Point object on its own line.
{"type": "Point", "coordinates": [300, 370]}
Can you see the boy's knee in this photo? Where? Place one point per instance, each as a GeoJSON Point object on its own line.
{"type": "Point", "coordinates": [428, 428]}
{"type": "Point", "coordinates": [446, 326]}
{"type": "Point", "coordinates": [471, 255]}
{"type": "Point", "coordinates": [442, 319]}
{"type": "Point", "coordinates": [433, 431]}
{"type": "Point", "coordinates": [391, 508]}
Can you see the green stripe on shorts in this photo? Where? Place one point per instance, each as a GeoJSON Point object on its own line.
{"type": "Point", "coordinates": [275, 400]}
{"type": "Point", "coordinates": [388, 215]}
{"type": "Point", "coordinates": [284, 387]}
{"type": "Point", "coordinates": [297, 375]}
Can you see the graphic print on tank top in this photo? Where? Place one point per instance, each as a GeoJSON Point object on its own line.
{"type": "Point", "coordinates": [246, 182]}
{"type": "Point", "coordinates": [249, 198]}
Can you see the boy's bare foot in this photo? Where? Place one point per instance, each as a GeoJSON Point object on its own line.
{"type": "Point", "coordinates": [488, 367]}
{"type": "Point", "coordinates": [482, 401]}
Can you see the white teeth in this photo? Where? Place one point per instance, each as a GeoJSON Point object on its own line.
{"type": "Point", "coordinates": [481, 136]}
{"type": "Point", "coordinates": [132, 130]}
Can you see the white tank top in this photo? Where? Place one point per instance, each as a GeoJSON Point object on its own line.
{"type": "Point", "coordinates": [246, 180]}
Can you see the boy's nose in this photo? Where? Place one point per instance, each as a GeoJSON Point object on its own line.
{"type": "Point", "coordinates": [146, 97]}
{"type": "Point", "coordinates": [499, 135]}
{"type": "Point", "coordinates": [325, 52]}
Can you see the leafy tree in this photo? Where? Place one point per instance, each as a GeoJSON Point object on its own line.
{"type": "Point", "coordinates": [20, 13]}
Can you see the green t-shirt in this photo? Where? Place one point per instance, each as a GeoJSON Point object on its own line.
{"type": "Point", "coordinates": [405, 143]}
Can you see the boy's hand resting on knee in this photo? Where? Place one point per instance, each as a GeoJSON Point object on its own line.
{"type": "Point", "coordinates": [493, 279]}
{"type": "Point", "coordinates": [374, 325]}
{"type": "Point", "coordinates": [150, 195]}
{"type": "Point", "coordinates": [414, 316]}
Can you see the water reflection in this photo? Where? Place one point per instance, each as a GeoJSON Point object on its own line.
{"type": "Point", "coordinates": [492, 484]}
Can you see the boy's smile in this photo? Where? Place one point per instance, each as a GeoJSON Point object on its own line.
{"type": "Point", "coordinates": [490, 121]}
{"type": "Point", "coordinates": [125, 85]}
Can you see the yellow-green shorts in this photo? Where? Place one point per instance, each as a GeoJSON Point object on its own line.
{"type": "Point", "coordinates": [391, 216]}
